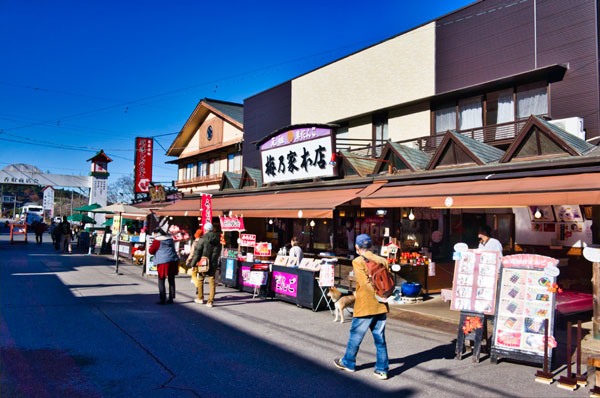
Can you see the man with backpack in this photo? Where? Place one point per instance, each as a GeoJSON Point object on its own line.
{"type": "Point", "coordinates": [369, 312]}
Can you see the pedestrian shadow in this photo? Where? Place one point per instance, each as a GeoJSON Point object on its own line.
{"type": "Point", "coordinates": [445, 351]}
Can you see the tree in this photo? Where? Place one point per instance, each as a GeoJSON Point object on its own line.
{"type": "Point", "coordinates": [121, 190]}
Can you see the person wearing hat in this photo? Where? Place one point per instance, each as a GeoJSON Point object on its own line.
{"type": "Point", "coordinates": [208, 246]}
{"type": "Point", "coordinates": [369, 313]}
{"type": "Point", "coordinates": [167, 260]}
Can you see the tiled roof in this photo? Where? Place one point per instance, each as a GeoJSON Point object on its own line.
{"type": "Point", "coordinates": [486, 153]}
{"type": "Point", "coordinates": [361, 165]}
{"type": "Point", "coordinates": [255, 174]}
{"type": "Point", "coordinates": [417, 159]}
{"type": "Point", "coordinates": [233, 178]}
{"type": "Point", "coordinates": [233, 110]}
{"type": "Point", "coordinates": [574, 142]}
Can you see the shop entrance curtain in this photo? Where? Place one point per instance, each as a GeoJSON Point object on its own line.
{"type": "Point", "coordinates": [515, 192]}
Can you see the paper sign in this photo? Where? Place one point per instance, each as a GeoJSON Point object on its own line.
{"type": "Point", "coordinates": [258, 278]}
{"type": "Point", "coordinates": [262, 249]}
{"type": "Point", "coordinates": [326, 275]}
{"type": "Point", "coordinates": [248, 240]}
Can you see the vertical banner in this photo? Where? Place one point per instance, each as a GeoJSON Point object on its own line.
{"type": "Point", "coordinates": [48, 202]}
{"type": "Point", "coordinates": [143, 164]}
{"type": "Point", "coordinates": [206, 209]}
{"type": "Point", "coordinates": [116, 225]}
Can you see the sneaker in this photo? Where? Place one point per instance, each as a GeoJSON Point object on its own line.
{"type": "Point", "coordinates": [338, 363]}
{"type": "Point", "coordinates": [198, 301]}
{"type": "Point", "coordinates": [381, 375]}
{"type": "Point", "coordinates": [209, 305]}
{"type": "Point", "coordinates": [170, 301]}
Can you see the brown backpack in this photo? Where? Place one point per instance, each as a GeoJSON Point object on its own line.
{"type": "Point", "coordinates": [380, 278]}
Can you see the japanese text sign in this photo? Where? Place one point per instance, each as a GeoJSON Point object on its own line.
{"type": "Point", "coordinates": [283, 283]}
{"type": "Point", "coordinates": [526, 298]}
{"type": "Point", "coordinates": [248, 240]}
{"type": "Point", "coordinates": [48, 201]}
{"type": "Point", "coordinates": [143, 164]}
{"type": "Point", "coordinates": [298, 154]}
{"type": "Point", "coordinates": [475, 281]}
{"type": "Point", "coordinates": [232, 223]}
{"type": "Point", "coordinates": [262, 249]}
{"type": "Point", "coordinates": [206, 209]}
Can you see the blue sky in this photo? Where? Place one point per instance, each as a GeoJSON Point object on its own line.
{"type": "Point", "coordinates": [76, 76]}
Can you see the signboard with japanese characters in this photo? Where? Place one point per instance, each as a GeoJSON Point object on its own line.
{"type": "Point", "coordinates": [206, 209]}
{"type": "Point", "coordinates": [526, 297]}
{"type": "Point", "coordinates": [48, 201]}
{"type": "Point", "coordinates": [475, 281]}
{"type": "Point", "coordinates": [247, 240]}
{"type": "Point", "coordinates": [298, 154]}
{"type": "Point", "coordinates": [143, 164]}
{"type": "Point", "coordinates": [229, 224]}
{"type": "Point", "coordinates": [262, 249]}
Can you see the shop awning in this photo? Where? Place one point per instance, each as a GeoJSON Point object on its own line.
{"type": "Point", "coordinates": [184, 207]}
{"type": "Point", "coordinates": [514, 192]}
{"type": "Point", "coordinates": [314, 204]}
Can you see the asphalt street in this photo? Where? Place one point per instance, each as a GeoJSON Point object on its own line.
{"type": "Point", "coordinates": [70, 327]}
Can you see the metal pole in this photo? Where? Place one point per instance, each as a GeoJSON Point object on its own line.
{"type": "Point", "coordinates": [14, 205]}
{"type": "Point", "coordinates": [71, 203]}
{"type": "Point", "coordinates": [117, 246]}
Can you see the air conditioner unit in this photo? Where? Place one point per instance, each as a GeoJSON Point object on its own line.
{"type": "Point", "coordinates": [572, 125]}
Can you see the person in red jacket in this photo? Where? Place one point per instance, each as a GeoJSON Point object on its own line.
{"type": "Point", "coordinates": [163, 249]}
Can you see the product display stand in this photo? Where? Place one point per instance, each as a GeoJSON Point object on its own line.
{"type": "Point", "coordinates": [324, 290]}
{"type": "Point", "coordinates": [476, 335]}
{"type": "Point", "coordinates": [568, 382]}
{"type": "Point", "coordinates": [543, 376]}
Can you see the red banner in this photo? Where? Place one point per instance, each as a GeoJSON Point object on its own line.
{"type": "Point", "coordinates": [143, 164]}
{"type": "Point", "coordinates": [206, 209]}
{"type": "Point", "coordinates": [232, 223]}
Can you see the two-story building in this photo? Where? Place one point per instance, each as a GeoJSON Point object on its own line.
{"type": "Point", "coordinates": [209, 144]}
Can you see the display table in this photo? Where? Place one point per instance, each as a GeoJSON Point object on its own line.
{"type": "Point", "coordinates": [297, 286]}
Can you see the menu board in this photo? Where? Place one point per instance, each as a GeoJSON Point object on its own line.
{"type": "Point", "coordinates": [525, 299]}
{"type": "Point", "coordinates": [475, 281]}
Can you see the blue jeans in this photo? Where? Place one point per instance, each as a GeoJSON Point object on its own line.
{"type": "Point", "coordinates": [358, 330]}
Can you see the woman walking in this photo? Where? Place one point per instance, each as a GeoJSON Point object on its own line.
{"type": "Point", "coordinates": [163, 249]}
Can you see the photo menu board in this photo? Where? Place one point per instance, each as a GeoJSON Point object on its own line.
{"type": "Point", "coordinates": [475, 281]}
{"type": "Point", "coordinates": [525, 299]}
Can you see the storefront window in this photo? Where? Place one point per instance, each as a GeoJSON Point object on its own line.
{"type": "Point", "coordinates": [189, 171]}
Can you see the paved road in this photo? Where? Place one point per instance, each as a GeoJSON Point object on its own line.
{"type": "Point", "coordinates": [71, 328]}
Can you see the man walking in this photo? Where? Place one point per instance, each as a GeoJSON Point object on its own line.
{"type": "Point", "coordinates": [369, 313]}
